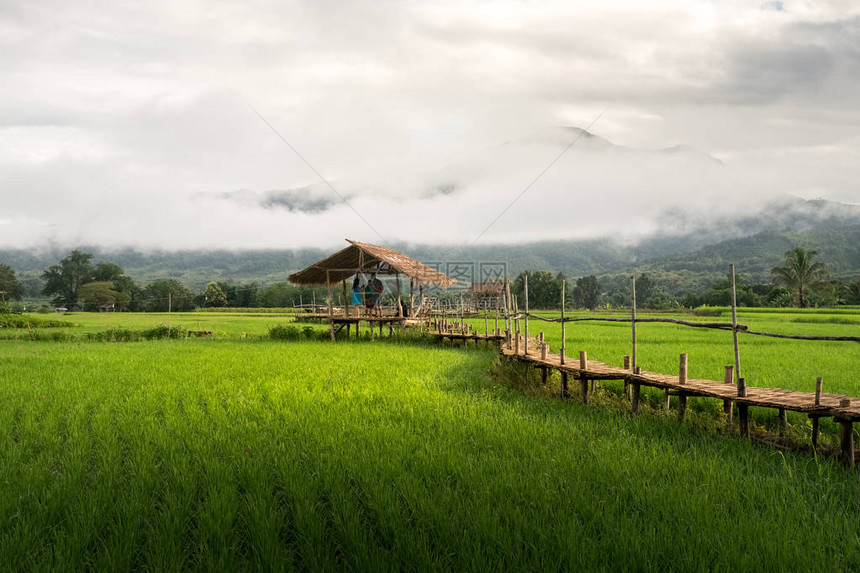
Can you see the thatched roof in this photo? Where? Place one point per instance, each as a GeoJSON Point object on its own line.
{"type": "Point", "coordinates": [368, 258]}
{"type": "Point", "coordinates": [490, 288]}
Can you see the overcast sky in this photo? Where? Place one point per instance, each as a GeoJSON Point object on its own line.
{"type": "Point", "coordinates": [136, 123]}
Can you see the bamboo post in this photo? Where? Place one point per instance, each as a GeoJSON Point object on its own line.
{"type": "Point", "coordinates": [743, 409]}
{"type": "Point", "coordinates": [544, 348]}
{"type": "Point", "coordinates": [561, 352]}
{"type": "Point", "coordinates": [399, 307]}
{"type": "Point", "coordinates": [543, 375]}
{"type": "Point", "coordinates": [330, 304]}
{"type": "Point", "coordinates": [411, 297]}
{"type": "Point", "coordinates": [486, 322]}
{"type": "Point", "coordinates": [526, 317]}
{"type": "Point", "coordinates": [345, 303]}
{"type": "Point", "coordinates": [564, 392]}
{"type": "Point", "coordinates": [634, 400]}
{"type": "Point", "coordinates": [626, 381]}
{"type": "Point", "coordinates": [583, 381]}
{"type": "Point", "coordinates": [682, 381]}
{"type": "Point", "coordinates": [816, 419]}
{"type": "Point", "coordinates": [633, 315]}
{"type": "Point", "coordinates": [846, 436]}
{"type": "Point", "coordinates": [783, 421]}
{"type": "Point", "coordinates": [728, 378]}
{"type": "Point", "coordinates": [508, 304]}
{"type": "Point", "coordinates": [462, 312]}
{"type": "Point", "coordinates": [735, 330]}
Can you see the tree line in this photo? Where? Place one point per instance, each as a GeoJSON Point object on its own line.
{"type": "Point", "coordinates": [800, 282]}
{"type": "Point", "coordinates": [75, 282]}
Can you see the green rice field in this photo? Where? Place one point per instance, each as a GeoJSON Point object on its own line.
{"type": "Point", "coordinates": [244, 453]}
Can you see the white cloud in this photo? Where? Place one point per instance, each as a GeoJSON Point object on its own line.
{"type": "Point", "coordinates": [125, 123]}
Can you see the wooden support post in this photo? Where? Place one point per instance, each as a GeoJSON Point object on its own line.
{"type": "Point", "coordinates": [846, 436]}
{"type": "Point", "coordinates": [399, 306]}
{"type": "Point", "coordinates": [735, 328]}
{"type": "Point", "coordinates": [634, 402]}
{"type": "Point", "coordinates": [517, 343]}
{"type": "Point", "coordinates": [411, 297]}
{"type": "Point", "coordinates": [728, 378]}
{"type": "Point", "coordinates": [526, 279]}
{"type": "Point", "coordinates": [345, 304]}
{"type": "Point", "coordinates": [543, 371]}
{"type": "Point", "coordinates": [544, 348]}
{"type": "Point", "coordinates": [564, 392]}
{"type": "Point", "coordinates": [561, 352]}
{"type": "Point", "coordinates": [583, 380]}
{"type": "Point", "coordinates": [507, 301]}
{"type": "Point", "coordinates": [783, 421]}
{"type": "Point", "coordinates": [626, 381]}
{"type": "Point", "coordinates": [330, 304]}
{"type": "Point", "coordinates": [682, 381]}
{"type": "Point", "coordinates": [743, 409]}
{"type": "Point", "coordinates": [633, 315]}
{"type": "Point", "coordinates": [815, 419]}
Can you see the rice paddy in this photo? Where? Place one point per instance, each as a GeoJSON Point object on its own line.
{"type": "Point", "coordinates": [240, 452]}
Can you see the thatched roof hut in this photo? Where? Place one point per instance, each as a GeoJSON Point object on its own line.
{"type": "Point", "coordinates": [367, 258]}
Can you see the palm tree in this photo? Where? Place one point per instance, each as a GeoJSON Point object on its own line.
{"type": "Point", "coordinates": [800, 274]}
{"type": "Point", "coordinates": [854, 292]}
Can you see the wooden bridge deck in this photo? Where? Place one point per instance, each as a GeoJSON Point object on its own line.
{"type": "Point", "coordinates": [827, 405]}
{"type": "Point", "coordinates": [780, 398]}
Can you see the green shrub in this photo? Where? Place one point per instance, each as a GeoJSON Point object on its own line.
{"type": "Point", "coordinates": [282, 332]}
{"type": "Point", "coordinates": [163, 331]}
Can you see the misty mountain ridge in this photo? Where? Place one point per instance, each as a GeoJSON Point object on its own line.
{"type": "Point", "coordinates": [701, 247]}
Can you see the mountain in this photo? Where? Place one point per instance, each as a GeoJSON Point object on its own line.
{"type": "Point", "coordinates": [692, 258]}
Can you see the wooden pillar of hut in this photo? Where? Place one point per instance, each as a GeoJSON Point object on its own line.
{"type": "Point", "coordinates": [411, 297]}
{"type": "Point", "coordinates": [345, 303]}
{"type": "Point", "coordinates": [400, 302]}
{"type": "Point", "coordinates": [330, 304]}
{"type": "Point", "coordinates": [399, 306]}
